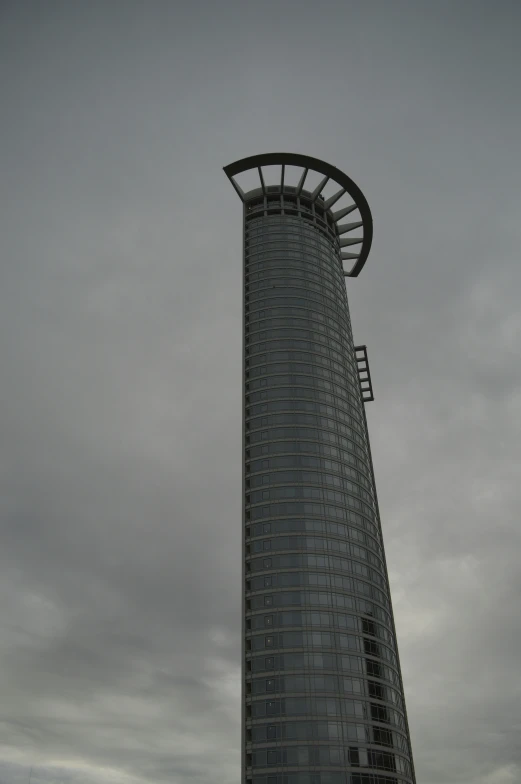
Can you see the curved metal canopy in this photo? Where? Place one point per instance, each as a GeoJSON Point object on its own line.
{"type": "Point", "coordinates": [346, 184]}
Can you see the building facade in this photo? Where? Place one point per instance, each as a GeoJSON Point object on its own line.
{"type": "Point", "coordinates": [322, 692]}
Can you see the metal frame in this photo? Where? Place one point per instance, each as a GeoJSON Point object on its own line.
{"type": "Point", "coordinates": [329, 172]}
{"type": "Point", "coordinates": [364, 374]}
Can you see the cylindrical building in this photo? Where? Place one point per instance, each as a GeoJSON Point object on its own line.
{"type": "Point", "coordinates": [323, 698]}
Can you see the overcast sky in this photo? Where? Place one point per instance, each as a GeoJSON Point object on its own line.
{"type": "Point", "coordinates": [120, 340]}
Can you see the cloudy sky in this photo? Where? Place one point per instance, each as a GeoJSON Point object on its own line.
{"type": "Point", "coordinates": [120, 338]}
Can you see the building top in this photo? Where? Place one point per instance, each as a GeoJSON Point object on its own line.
{"type": "Point", "coordinates": [329, 173]}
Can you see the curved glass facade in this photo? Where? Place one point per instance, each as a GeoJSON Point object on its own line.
{"type": "Point", "coordinates": [323, 699]}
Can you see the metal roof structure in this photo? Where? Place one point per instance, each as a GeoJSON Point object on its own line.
{"type": "Point", "coordinates": [329, 174]}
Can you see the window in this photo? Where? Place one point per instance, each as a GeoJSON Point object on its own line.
{"type": "Point", "coordinates": [376, 690]}
{"type": "Point", "coordinates": [268, 620]}
{"type": "Point", "coordinates": [380, 713]}
{"type": "Point", "coordinates": [269, 662]}
{"type": "Point", "coordinates": [268, 601]}
{"type": "Point", "coordinates": [371, 648]}
{"type": "Point", "coordinates": [269, 642]}
{"type": "Point", "coordinates": [382, 737]}
{"type": "Point", "coordinates": [270, 684]}
{"type": "Point", "coordinates": [271, 732]}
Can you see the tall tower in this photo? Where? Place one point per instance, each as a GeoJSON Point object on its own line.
{"type": "Point", "coordinates": [322, 692]}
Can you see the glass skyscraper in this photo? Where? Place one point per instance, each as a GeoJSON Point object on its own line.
{"type": "Point", "coordinates": [322, 694]}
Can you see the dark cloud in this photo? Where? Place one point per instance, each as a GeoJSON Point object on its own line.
{"type": "Point", "coordinates": [120, 330]}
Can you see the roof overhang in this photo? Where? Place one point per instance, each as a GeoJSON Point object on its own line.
{"type": "Point", "coordinates": [329, 173]}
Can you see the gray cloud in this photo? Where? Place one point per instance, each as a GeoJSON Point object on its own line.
{"type": "Point", "coordinates": [120, 329]}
